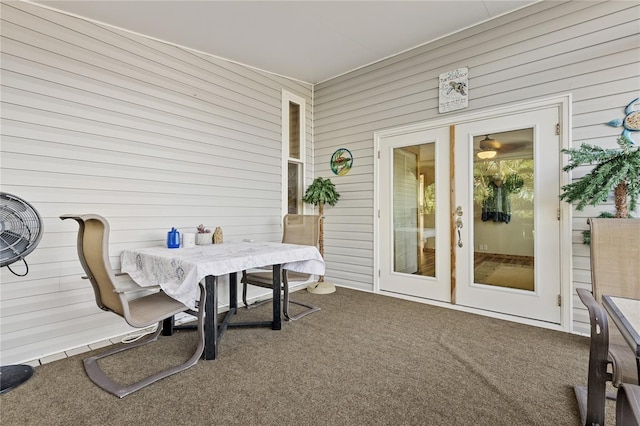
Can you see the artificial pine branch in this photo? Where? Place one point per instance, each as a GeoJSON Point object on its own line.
{"type": "Point", "coordinates": [613, 168]}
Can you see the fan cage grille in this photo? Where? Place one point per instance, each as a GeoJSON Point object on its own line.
{"type": "Point", "coordinates": [20, 228]}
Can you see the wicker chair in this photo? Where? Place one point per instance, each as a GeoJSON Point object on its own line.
{"type": "Point", "coordinates": [140, 307]}
{"type": "Point", "coordinates": [298, 229]}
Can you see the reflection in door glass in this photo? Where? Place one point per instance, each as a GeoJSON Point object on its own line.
{"type": "Point", "coordinates": [414, 206]}
{"type": "Point", "coordinates": [503, 209]}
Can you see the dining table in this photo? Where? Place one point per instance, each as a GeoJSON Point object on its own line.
{"type": "Point", "coordinates": [179, 271]}
{"type": "Point", "coordinates": [625, 313]}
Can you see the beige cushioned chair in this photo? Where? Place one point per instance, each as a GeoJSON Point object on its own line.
{"type": "Point", "coordinates": [140, 307]}
{"type": "Point", "coordinates": [297, 229]}
{"type": "Point", "coordinates": [615, 271]}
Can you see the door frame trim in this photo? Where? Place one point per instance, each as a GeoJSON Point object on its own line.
{"type": "Point", "coordinates": [564, 104]}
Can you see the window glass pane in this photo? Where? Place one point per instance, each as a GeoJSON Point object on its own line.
{"type": "Point", "coordinates": [294, 130]}
{"type": "Point", "coordinates": [293, 189]}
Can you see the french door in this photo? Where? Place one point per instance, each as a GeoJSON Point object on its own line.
{"type": "Point", "coordinates": [414, 204]}
{"type": "Point", "coordinates": [507, 220]}
{"type": "Point", "coordinates": [469, 214]}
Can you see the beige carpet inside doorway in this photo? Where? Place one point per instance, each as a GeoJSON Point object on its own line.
{"type": "Point", "coordinates": [512, 277]}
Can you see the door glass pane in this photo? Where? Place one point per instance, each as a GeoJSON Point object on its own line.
{"type": "Point", "coordinates": [503, 215]}
{"type": "Point", "coordinates": [414, 206]}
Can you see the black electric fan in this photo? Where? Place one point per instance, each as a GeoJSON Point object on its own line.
{"type": "Point", "coordinates": [20, 233]}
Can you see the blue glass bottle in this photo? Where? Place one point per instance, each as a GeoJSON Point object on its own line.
{"type": "Point", "coordinates": [173, 238]}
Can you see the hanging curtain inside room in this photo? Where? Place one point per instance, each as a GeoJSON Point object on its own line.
{"type": "Point", "coordinates": [497, 205]}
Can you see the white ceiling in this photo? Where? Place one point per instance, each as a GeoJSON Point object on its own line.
{"type": "Point", "coordinates": [311, 41]}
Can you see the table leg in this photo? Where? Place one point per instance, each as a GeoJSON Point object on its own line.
{"type": "Point", "coordinates": [167, 326]}
{"type": "Point", "coordinates": [233, 292]}
{"type": "Point", "coordinates": [211, 318]}
{"type": "Point", "coordinates": [277, 319]}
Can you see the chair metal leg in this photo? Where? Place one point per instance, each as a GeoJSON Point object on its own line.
{"type": "Point", "coordinates": [285, 307]}
{"type": "Point", "coordinates": [310, 310]}
{"type": "Point", "coordinates": [628, 405]}
{"type": "Point", "coordinates": [100, 378]}
{"type": "Point", "coordinates": [581, 398]}
{"type": "Point", "coordinates": [244, 290]}
{"type": "Point", "coordinates": [590, 414]}
{"type": "Point", "coordinates": [244, 299]}
{"type": "Point", "coordinates": [286, 301]}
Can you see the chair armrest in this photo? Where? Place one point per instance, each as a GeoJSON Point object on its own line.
{"type": "Point", "coordinates": [117, 274]}
{"type": "Point", "coordinates": [623, 363]}
{"type": "Point", "coordinates": [259, 269]}
{"type": "Point", "coordinates": [135, 290]}
{"type": "Point", "coordinates": [129, 287]}
{"type": "Point", "coordinates": [125, 285]}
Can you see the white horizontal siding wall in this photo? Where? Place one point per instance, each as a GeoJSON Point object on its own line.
{"type": "Point", "coordinates": [149, 135]}
{"type": "Point", "coordinates": [588, 49]}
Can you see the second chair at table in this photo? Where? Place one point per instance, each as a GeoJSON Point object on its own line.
{"type": "Point", "coordinates": [297, 229]}
{"type": "Point", "coordinates": [607, 363]}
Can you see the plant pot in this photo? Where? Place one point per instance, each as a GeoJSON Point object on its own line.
{"type": "Point", "coordinates": [202, 239]}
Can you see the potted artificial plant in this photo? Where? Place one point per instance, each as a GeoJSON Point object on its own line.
{"type": "Point", "coordinates": [616, 170]}
{"type": "Point", "coordinates": [321, 192]}
{"type": "Point", "coordinates": [203, 235]}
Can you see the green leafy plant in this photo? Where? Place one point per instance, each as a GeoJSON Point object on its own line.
{"type": "Point", "coordinates": [516, 175]}
{"type": "Point", "coordinates": [616, 170]}
{"type": "Point", "coordinates": [320, 192]}
{"type": "Point", "coordinates": [430, 198]}
{"type": "Point", "coordinates": [586, 234]}
{"type": "Point", "coordinates": [513, 183]}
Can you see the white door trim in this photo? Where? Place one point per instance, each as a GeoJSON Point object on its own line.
{"type": "Point", "coordinates": [563, 103]}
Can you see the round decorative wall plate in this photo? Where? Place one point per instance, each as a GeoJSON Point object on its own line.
{"type": "Point", "coordinates": [341, 162]}
{"type": "Point", "coordinates": [631, 121]}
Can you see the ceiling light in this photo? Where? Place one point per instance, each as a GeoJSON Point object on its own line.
{"type": "Point", "coordinates": [485, 155]}
{"type": "Point", "coordinates": [488, 148]}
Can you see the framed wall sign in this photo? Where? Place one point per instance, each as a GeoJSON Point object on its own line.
{"type": "Point", "coordinates": [454, 90]}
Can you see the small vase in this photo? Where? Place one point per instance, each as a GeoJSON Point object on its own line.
{"type": "Point", "coordinates": [217, 236]}
{"type": "Point", "coordinates": [202, 239]}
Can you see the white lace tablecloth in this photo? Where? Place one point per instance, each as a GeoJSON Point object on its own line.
{"type": "Point", "coordinates": [178, 271]}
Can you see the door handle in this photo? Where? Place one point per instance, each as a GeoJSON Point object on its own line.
{"type": "Point", "coordinates": [459, 224]}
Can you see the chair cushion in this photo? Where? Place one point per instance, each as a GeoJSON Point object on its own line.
{"type": "Point", "coordinates": [265, 279]}
{"type": "Point", "coordinates": [151, 309]}
{"type": "Point", "coordinates": [260, 279]}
